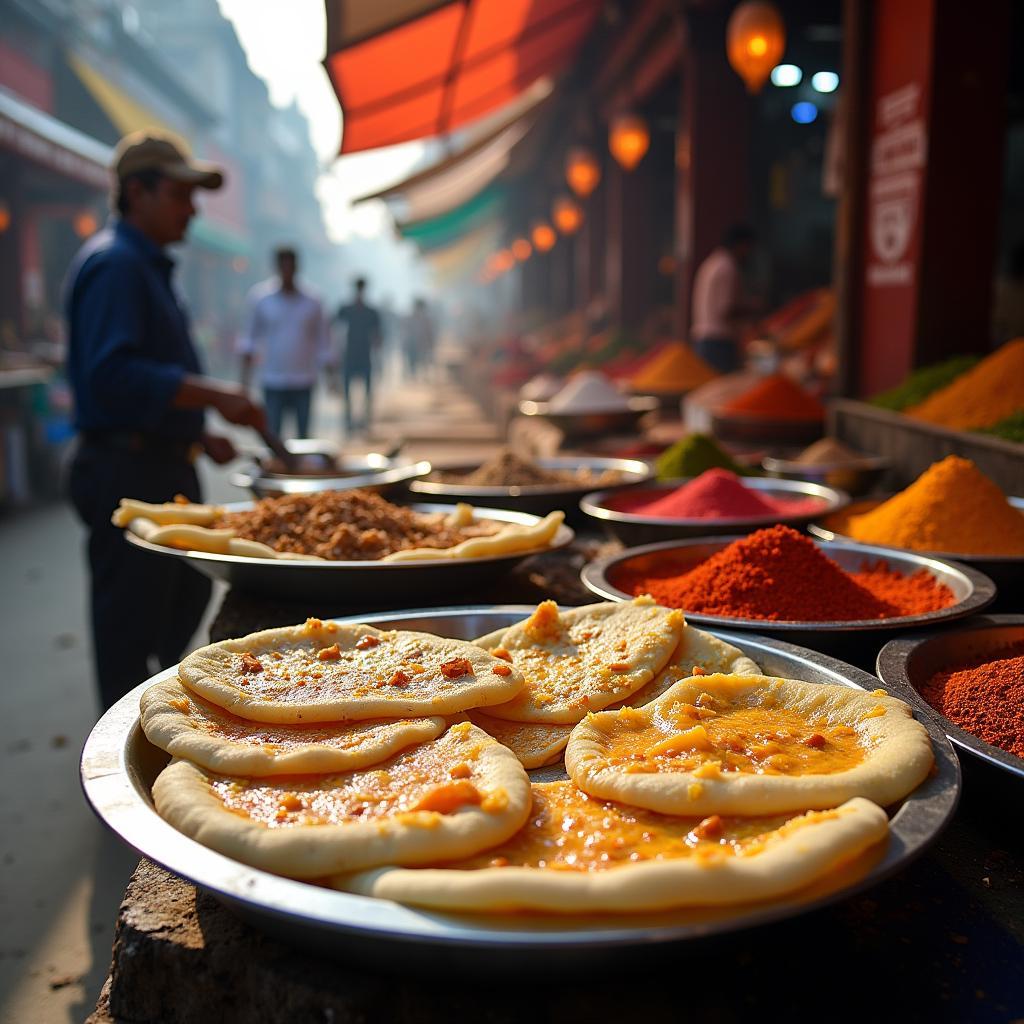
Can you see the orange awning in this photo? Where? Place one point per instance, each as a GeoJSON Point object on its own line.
{"type": "Point", "coordinates": [410, 69]}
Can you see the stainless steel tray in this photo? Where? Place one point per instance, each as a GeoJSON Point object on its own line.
{"type": "Point", "coordinates": [906, 664]}
{"type": "Point", "coordinates": [119, 765]}
{"type": "Point", "coordinates": [345, 583]}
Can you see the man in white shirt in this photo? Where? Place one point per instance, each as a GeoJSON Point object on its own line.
{"type": "Point", "coordinates": [285, 329]}
{"type": "Point", "coordinates": [719, 306]}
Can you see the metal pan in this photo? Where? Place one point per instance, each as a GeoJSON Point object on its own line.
{"type": "Point", "coordinates": [348, 583]}
{"type": "Point", "coordinates": [906, 664]}
{"type": "Point", "coordinates": [595, 423]}
{"type": "Point", "coordinates": [119, 765]}
{"type": "Point", "coordinates": [538, 498]}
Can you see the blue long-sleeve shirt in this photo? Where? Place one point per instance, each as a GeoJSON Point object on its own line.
{"type": "Point", "coordinates": [129, 343]}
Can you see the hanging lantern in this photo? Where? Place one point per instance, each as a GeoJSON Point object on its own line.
{"type": "Point", "coordinates": [582, 171]}
{"type": "Point", "coordinates": [5, 217]}
{"type": "Point", "coordinates": [543, 236]}
{"type": "Point", "coordinates": [85, 224]}
{"type": "Point", "coordinates": [628, 139]}
{"type": "Point", "coordinates": [567, 215]}
{"type": "Point", "coordinates": [521, 250]}
{"type": "Point", "coordinates": [755, 40]}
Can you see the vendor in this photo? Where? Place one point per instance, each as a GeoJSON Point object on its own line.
{"type": "Point", "coordinates": [140, 398]}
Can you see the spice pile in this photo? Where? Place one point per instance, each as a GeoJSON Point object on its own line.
{"type": "Point", "coordinates": [346, 526]}
{"type": "Point", "coordinates": [780, 575]}
{"type": "Point", "coordinates": [924, 382]}
{"type": "Point", "coordinates": [829, 452]}
{"type": "Point", "coordinates": [776, 398]}
{"type": "Point", "coordinates": [951, 507]}
{"type": "Point", "coordinates": [590, 391]}
{"type": "Point", "coordinates": [719, 494]}
{"type": "Point", "coordinates": [673, 369]}
{"type": "Point", "coordinates": [506, 469]}
{"type": "Point", "coordinates": [985, 697]}
{"type": "Point", "coordinates": [692, 456]}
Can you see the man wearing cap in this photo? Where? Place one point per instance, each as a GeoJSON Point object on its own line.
{"type": "Point", "coordinates": [140, 397]}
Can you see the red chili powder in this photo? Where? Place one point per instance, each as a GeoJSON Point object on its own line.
{"type": "Point", "coordinates": [778, 574]}
{"type": "Point", "coordinates": [985, 697]}
{"type": "Point", "coordinates": [720, 494]}
{"type": "Point", "coordinates": [777, 398]}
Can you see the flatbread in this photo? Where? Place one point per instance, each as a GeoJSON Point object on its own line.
{"type": "Point", "coordinates": [450, 797]}
{"type": "Point", "coordinates": [727, 744]}
{"type": "Point", "coordinates": [165, 513]}
{"type": "Point", "coordinates": [584, 659]}
{"type": "Point", "coordinates": [578, 855]}
{"type": "Point", "coordinates": [182, 723]}
{"type": "Point", "coordinates": [333, 672]}
{"type": "Point", "coordinates": [509, 540]}
{"type": "Point", "coordinates": [535, 745]}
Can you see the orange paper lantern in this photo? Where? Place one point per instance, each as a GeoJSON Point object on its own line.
{"type": "Point", "coordinates": [85, 224]}
{"type": "Point", "coordinates": [5, 217]}
{"type": "Point", "coordinates": [521, 250]}
{"type": "Point", "coordinates": [582, 171]}
{"type": "Point", "coordinates": [628, 140]}
{"type": "Point", "coordinates": [755, 41]}
{"type": "Point", "coordinates": [567, 215]}
{"type": "Point", "coordinates": [543, 236]}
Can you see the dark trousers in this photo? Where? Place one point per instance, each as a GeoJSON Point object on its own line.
{"type": "Point", "coordinates": [363, 373]}
{"type": "Point", "coordinates": [296, 401]}
{"type": "Point", "coordinates": [144, 607]}
{"type": "Point", "coordinates": [720, 353]}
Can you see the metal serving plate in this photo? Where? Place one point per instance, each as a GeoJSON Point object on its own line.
{"type": "Point", "coordinates": [536, 498]}
{"type": "Point", "coordinates": [592, 424]}
{"type": "Point", "coordinates": [347, 583]}
{"type": "Point", "coordinates": [119, 765]}
{"type": "Point", "coordinates": [906, 664]}
{"type": "Point", "coordinates": [972, 589]}
{"type": "Point", "coordinates": [1006, 570]}
{"type": "Point", "coordinates": [637, 528]}
{"type": "Point", "coordinates": [856, 476]}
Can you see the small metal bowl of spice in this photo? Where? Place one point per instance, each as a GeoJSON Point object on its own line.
{"type": "Point", "coordinates": [833, 464]}
{"type": "Point", "coordinates": [972, 678]}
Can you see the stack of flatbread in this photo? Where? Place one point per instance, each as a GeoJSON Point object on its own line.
{"type": "Point", "coordinates": [394, 764]}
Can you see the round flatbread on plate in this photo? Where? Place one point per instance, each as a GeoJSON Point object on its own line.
{"type": "Point", "coordinates": [450, 797]}
{"type": "Point", "coordinates": [179, 721]}
{"type": "Point", "coordinates": [578, 855]}
{"type": "Point", "coordinates": [333, 672]}
{"type": "Point", "coordinates": [585, 658]}
{"type": "Point", "coordinates": [535, 745]}
{"type": "Point", "coordinates": [729, 744]}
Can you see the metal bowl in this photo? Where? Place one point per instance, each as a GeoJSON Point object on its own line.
{"type": "Point", "coordinates": [119, 765]}
{"type": "Point", "coordinates": [906, 664]}
{"type": "Point", "coordinates": [595, 423]}
{"type": "Point", "coordinates": [1007, 571]}
{"type": "Point", "coordinates": [727, 426]}
{"type": "Point", "coordinates": [349, 583]}
{"type": "Point", "coordinates": [855, 477]}
{"type": "Point", "coordinates": [972, 590]}
{"type": "Point", "coordinates": [636, 528]}
{"type": "Point", "coordinates": [539, 498]}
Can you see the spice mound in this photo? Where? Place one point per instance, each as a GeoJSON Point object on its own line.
{"type": "Point", "coordinates": [719, 494]}
{"type": "Point", "coordinates": [780, 575]}
{"type": "Point", "coordinates": [776, 398]}
{"type": "Point", "coordinates": [346, 526]}
{"type": "Point", "coordinates": [829, 452]}
{"type": "Point", "coordinates": [506, 469]}
{"type": "Point", "coordinates": [692, 456]}
{"type": "Point", "coordinates": [951, 507]}
{"type": "Point", "coordinates": [672, 369]}
{"type": "Point", "coordinates": [587, 392]}
{"type": "Point", "coordinates": [985, 697]}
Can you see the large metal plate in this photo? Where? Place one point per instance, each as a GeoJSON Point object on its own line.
{"type": "Point", "coordinates": [906, 664]}
{"type": "Point", "coordinates": [343, 583]}
{"type": "Point", "coordinates": [119, 766]}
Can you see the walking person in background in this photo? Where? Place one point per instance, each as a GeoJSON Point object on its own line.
{"type": "Point", "coordinates": [719, 304]}
{"type": "Point", "coordinates": [421, 338]}
{"type": "Point", "coordinates": [362, 339]}
{"type": "Point", "coordinates": [140, 397]}
{"type": "Point", "coordinates": [286, 331]}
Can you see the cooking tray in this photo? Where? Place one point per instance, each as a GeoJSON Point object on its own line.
{"type": "Point", "coordinates": [374, 582]}
{"type": "Point", "coordinates": [119, 765]}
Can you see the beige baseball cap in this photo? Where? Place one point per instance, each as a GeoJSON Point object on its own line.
{"type": "Point", "coordinates": [153, 151]}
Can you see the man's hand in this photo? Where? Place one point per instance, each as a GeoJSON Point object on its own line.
{"type": "Point", "coordinates": [218, 448]}
{"type": "Point", "coordinates": [230, 400]}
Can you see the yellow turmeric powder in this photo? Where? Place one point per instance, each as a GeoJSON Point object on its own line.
{"type": "Point", "coordinates": [674, 369]}
{"type": "Point", "coordinates": [951, 507]}
{"type": "Point", "coordinates": [981, 397]}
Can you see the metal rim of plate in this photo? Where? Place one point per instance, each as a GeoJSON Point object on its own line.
{"type": "Point", "coordinates": [893, 667]}
{"type": "Point", "coordinates": [635, 404]}
{"type": "Point", "coordinates": [562, 537]}
{"type": "Point", "coordinates": [981, 591]}
{"type": "Point", "coordinates": [634, 471]}
{"type": "Point", "coordinates": [114, 785]}
{"type": "Point", "coordinates": [387, 473]}
{"type": "Point", "coordinates": [822, 532]}
{"type": "Point", "coordinates": [595, 505]}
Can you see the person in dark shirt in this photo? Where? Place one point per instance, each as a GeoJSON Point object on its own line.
{"type": "Point", "coordinates": [140, 398]}
{"type": "Point", "coordinates": [362, 339]}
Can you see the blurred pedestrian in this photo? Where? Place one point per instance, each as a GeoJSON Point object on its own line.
{"type": "Point", "coordinates": [421, 338]}
{"type": "Point", "coordinates": [140, 398]}
{"type": "Point", "coordinates": [362, 339]}
{"type": "Point", "coordinates": [285, 329]}
{"type": "Point", "coordinates": [720, 307]}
